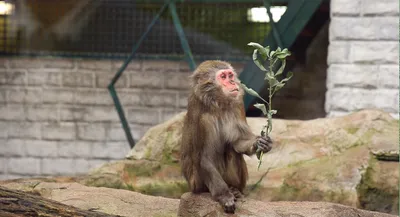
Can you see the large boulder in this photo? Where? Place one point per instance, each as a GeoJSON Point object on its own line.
{"type": "Point", "coordinates": [201, 205]}
{"type": "Point", "coordinates": [349, 160]}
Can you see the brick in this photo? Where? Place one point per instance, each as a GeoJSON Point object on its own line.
{"type": "Point", "coordinates": [25, 130]}
{"type": "Point", "coordinates": [59, 131]}
{"type": "Point", "coordinates": [143, 115]}
{"type": "Point", "coordinates": [92, 132]}
{"type": "Point", "coordinates": [383, 7]}
{"type": "Point", "coordinates": [176, 80]}
{"type": "Point", "coordinates": [15, 176]}
{"type": "Point", "coordinates": [71, 149]}
{"type": "Point", "coordinates": [81, 166]}
{"type": "Point", "coordinates": [103, 79]}
{"type": "Point", "coordinates": [73, 113]}
{"type": "Point", "coordinates": [42, 112]}
{"type": "Point", "coordinates": [43, 77]}
{"type": "Point", "coordinates": [344, 7]}
{"type": "Point", "coordinates": [168, 114]}
{"type": "Point", "coordinates": [12, 148]}
{"type": "Point", "coordinates": [345, 75]}
{"type": "Point", "coordinates": [184, 67]}
{"type": "Point", "coordinates": [183, 99]}
{"type": "Point", "coordinates": [3, 130]}
{"type": "Point", "coordinates": [342, 99]}
{"type": "Point", "coordinates": [25, 95]}
{"type": "Point", "coordinates": [53, 166]}
{"type": "Point", "coordinates": [364, 28]}
{"type": "Point", "coordinates": [12, 112]}
{"type": "Point", "coordinates": [336, 114]}
{"type": "Point", "coordinates": [101, 113]}
{"type": "Point", "coordinates": [24, 166]}
{"type": "Point", "coordinates": [388, 76]}
{"type": "Point", "coordinates": [388, 100]}
{"type": "Point", "coordinates": [338, 52]}
{"type": "Point", "coordinates": [3, 95]}
{"type": "Point", "coordinates": [117, 133]}
{"type": "Point", "coordinates": [97, 163]}
{"type": "Point", "coordinates": [374, 52]}
{"type": "Point", "coordinates": [3, 162]}
{"type": "Point", "coordinates": [166, 99]}
{"type": "Point", "coordinates": [130, 97]}
{"type": "Point", "coordinates": [133, 65]}
{"type": "Point", "coordinates": [103, 64]}
{"type": "Point", "coordinates": [138, 131]}
{"type": "Point", "coordinates": [147, 79]}
{"type": "Point", "coordinates": [25, 63]}
{"type": "Point", "coordinates": [59, 63]}
{"type": "Point", "coordinates": [113, 150]}
{"type": "Point", "coordinates": [160, 65]}
{"type": "Point", "coordinates": [58, 95]}
{"type": "Point", "coordinates": [40, 148]}
{"type": "Point", "coordinates": [78, 79]}
{"type": "Point", "coordinates": [13, 76]}
{"type": "Point", "coordinates": [93, 97]}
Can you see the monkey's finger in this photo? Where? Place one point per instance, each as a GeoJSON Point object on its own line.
{"type": "Point", "coordinates": [264, 147]}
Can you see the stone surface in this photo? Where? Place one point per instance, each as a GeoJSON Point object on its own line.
{"type": "Point", "coordinates": [319, 160]}
{"type": "Point", "coordinates": [106, 200]}
{"type": "Point", "coordinates": [192, 205]}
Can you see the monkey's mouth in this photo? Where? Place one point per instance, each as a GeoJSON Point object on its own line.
{"type": "Point", "coordinates": [234, 90]}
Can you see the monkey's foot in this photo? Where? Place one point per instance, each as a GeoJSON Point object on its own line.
{"type": "Point", "coordinates": [236, 193]}
{"type": "Point", "coordinates": [227, 201]}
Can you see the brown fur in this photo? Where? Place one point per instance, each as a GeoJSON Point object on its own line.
{"type": "Point", "coordinates": [215, 136]}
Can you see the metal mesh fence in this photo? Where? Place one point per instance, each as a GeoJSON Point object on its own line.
{"type": "Point", "coordinates": [109, 28]}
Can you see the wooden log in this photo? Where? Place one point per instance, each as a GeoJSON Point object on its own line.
{"type": "Point", "coordinates": [15, 203]}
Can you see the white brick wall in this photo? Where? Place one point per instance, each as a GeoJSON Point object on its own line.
{"type": "Point", "coordinates": [57, 117]}
{"type": "Point", "coordinates": [363, 56]}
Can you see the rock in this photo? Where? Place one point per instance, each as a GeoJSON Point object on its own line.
{"type": "Point", "coordinates": [105, 200]}
{"type": "Point", "coordinates": [14, 203]}
{"type": "Point", "coordinates": [199, 205]}
{"type": "Point", "coordinates": [341, 160]}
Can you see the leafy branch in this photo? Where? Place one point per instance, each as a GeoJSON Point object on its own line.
{"type": "Point", "coordinates": [261, 56]}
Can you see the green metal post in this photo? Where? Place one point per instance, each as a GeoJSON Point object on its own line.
{"type": "Point", "coordinates": [111, 88]}
{"type": "Point", "coordinates": [275, 31]}
{"type": "Point", "coordinates": [181, 34]}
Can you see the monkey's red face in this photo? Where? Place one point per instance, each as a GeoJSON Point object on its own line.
{"type": "Point", "coordinates": [227, 79]}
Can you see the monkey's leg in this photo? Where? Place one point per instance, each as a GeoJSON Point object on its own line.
{"type": "Point", "coordinates": [216, 185]}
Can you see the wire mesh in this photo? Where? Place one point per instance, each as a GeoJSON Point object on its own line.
{"type": "Point", "coordinates": [109, 29]}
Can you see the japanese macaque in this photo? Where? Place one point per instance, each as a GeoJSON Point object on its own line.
{"type": "Point", "coordinates": [216, 135]}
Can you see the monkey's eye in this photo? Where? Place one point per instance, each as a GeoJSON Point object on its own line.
{"type": "Point", "coordinates": [230, 75]}
{"type": "Point", "coordinates": [223, 76]}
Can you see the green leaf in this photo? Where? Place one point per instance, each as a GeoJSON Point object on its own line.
{"type": "Point", "coordinates": [272, 54]}
{"type": "Point", "coordinates": [255, 45]}
{"type": "Point", "coordinates": [282, 55]}
{"type": "Point", "coordinates": [267, 50]}
{"type": "Point", "coordinates": [278, 50]}
{"type": "Point", "coordinates": [279, 86]}
{"type": "Point", "coordinates": [281, 68]}
{"type": "Point", "coordinates": [273, 82]}
{"type": "Point", "coordinates": [257, 61]}
{"type": "Point", "coordinates": [261, 50]}
{"type": "Point", "coordinates": [273, 112]}
{"type": "Point", "coordinates": [261, 107]}
{"type": "Point", "coordinates": [288, 76]}
{"type": "Point", "coordinates": [252, 92]}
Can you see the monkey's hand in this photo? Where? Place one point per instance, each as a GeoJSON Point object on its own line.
{"type": "Point", "coordinates": [262, 144]}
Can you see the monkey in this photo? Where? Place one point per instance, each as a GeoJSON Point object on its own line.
{"type": "Point", "coordinates": [215, 135]}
